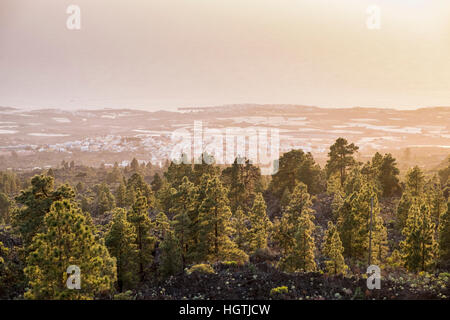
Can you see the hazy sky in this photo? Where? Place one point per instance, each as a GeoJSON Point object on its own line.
{"type": "Point", "coordinates": [161, 54]}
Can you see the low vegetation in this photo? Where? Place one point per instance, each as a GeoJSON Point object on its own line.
{"type": "Point", "coordinates": [205, 231]}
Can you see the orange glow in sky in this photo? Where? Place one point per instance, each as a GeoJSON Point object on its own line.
{"type": "Point", "coordinates": [159, 54]}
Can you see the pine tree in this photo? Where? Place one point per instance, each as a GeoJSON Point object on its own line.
{"type": "Point", "coordinates": [135, 185]}
{"type": "Point", "coordinates": [182, 209]}
{"type": "Point", "coordinates": [302, 257]}
{"type": "Point", "coordinates": [176, 172]}
{"type": "Point", "coordinates": [419, 248]}
{"type": "Point", "coordinates": [121, 196]}
{"type": "Point", "coordinates": [68, 238]}
{"type": "Point", "coordinates": [402, 210]}
{"type": "Point", "coordinates": [260, 224]}
{"type": "Point", "coordinates": [444, 239]}
{"type": "Point", "coordinates": [134, 166]}
{"type": "Point", "coordinates": [337, 203]}
{"type": "Point", "coordinates": [341, 157]}
{"type": "Point", "coordinates": [285, 198]}
{"type": "Point", "coordinates": [204, 166]}
{"type": "Point", "coordinates": [156, 183]}
{"type": "Point", "coordinates": [5, 208]}
{"type": "Point", "coordinates": [215, 226]}
{"type": "Point", "coordinates": [333, 251]}
{"type": "Point", "coordinates": [297, 166]}
{"type": "Point", "coordinates": [164, 197]}
{"type": "Point", "coordinates": [388, 176]}
{"type": "Point", "coordinates": [3, 267]}
{"type": "Point", "coordinates": [145, 241]}
{"type": "Point", "coordinates": [243, 181]}
{"type": "Point", "coordinates": [36, 201]}
{"type": "Point", "coordinates": [104, 200]}
{"type": "Point", "coordinates": [354, 227]}
{"type": "Point", "coordinates": [435, 198]}
{"type": "Point", "coordinates": [171, 260]}
{"type": "Point", "coordinates": [415, 182]}
{"type": "Point", "coordinates": [240, 229]}
{"type": "Point", "coordinates": [115, 175]}
{"type": "Point", "coordinates": [286, 227]}
{"type": "Point", "coordinates": [121, 243]}
{"type": "Point", "coordinates": [162, 225]}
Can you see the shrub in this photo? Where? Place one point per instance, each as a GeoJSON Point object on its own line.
{"type": "Point", "coordinates": [279, 290]}
{"type": "Point", "coordinates": [201, 268]}
{"type": "Point", "coordinates": [230, 263]}
{"type": "Point", "coordinates": [262, 255]}
{"type": "Point", "coordinates": [127, 295]}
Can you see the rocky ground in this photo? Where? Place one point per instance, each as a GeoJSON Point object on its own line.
{"type": "Point", "coordinates": [258, 281]}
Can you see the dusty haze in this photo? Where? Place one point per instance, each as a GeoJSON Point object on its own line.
{"type": "Point", "coordinates": [162, 54]}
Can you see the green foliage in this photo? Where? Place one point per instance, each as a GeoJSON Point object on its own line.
{"type": "Point", "coordinates": [444, 239]}
{"type": "Point", "coordinates": [36, 201]}
{"type": "Point", "coordinates": [171, 260]}
{"type": "Point", "coordinates": [9, 183]}
{"type": "Point", "coordinates": [121, 243]}
{"type": "Point", "coordinates": [103, 201]}
{"type": "Point", "coordinates": [136, 185]}
{"type": "Point", "coordinates": [230, 263]}
{"type": "Point", "coordinates": [356, 180]}
{"type": "Point", "coordinates": [121, 195]}
{"type": "Point", "coordinates": [201, 268]}
{"type": "Point", "coordinates": [156, 183]}
{"type": "Point", "coordinates": [294, 233]}
{"type": "Point", "coordinates": [279, 291]}
{"type": "Point", "coordinates": [214, 222]}
{"type": "Point", "coordinates": [333, 251]}
{"type": "Point", "coordinates": [302, 258]}
{"type": "Point", "coordinates": [243, 181]}
{"type": "Point", "coordinates": [286, 227]}
{"type": "Point", "coordinates": [183, 208]}
{"type": "Point", "coordinates": [3, 266]}
{"type": "Point", "coordinates": [395, 260]}
{"type": "Point", "coordinates": [354, 227]}
{"type": "Point", "coordinates": [204, 165]}
{"type": "Point", "coordinates": [415, 181]}
{"type": "Point", "coordinates": [12, 279]}
{"type": "Point", "coordinates": [435, 198]}
{"type": "Point", "coordinates": [175, 172]}
{"type": "Point", "coordinates": [414, 187]}
{"type": "Point", "coordinates": [162, 225]}
{"type": "Point", "coordinates": [115, 175]}
{"type": "Point", "coordinates": [388, 176]}
{"type": "Point", "coordinates": [260, 224]}
{"type": "Point", "coordinates": [340, 158]}
{"type": "Point", "coordinates": [5, 208]}
{"type": "Point", "coordinates": [127, 295]}
{"type": "Point", "coordinates": [145, 241]}
{"type": "Point", "coordinates": [240, 234]}
{"type": "Point", "coordinates": [419, 249]}
{"type": "Point", "coordinates": [68, 238]}
{"type": "Point", "coordinates": [296, 166]}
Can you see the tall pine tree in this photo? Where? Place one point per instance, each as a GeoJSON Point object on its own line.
{"type": "Point", "coordinates": [145, 241]}
{"type": "Point", "coordinates": [260, 224]}
{"type": "Point", "coordinates": [215, 226]}
{"type": "Point", "coordinates": [333, 251]}
{"type": "Point", "coordinates": [121, 243]}
{"type": "Point", "coordinates": [68, 238]}
{"type": "Point", "coordinates": [419, 247]}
